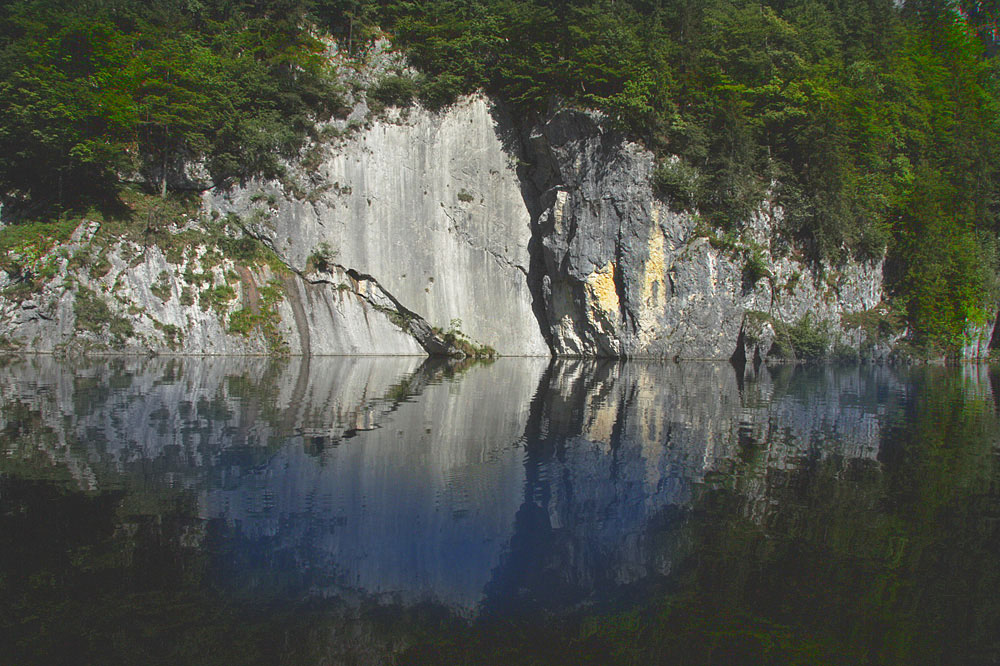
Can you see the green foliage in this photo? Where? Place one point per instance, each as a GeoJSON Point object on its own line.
{"type": "Point", "coordinates": [754, 269]}
{"type": "Point", "coordinates": [91, 311]}
{"type": "Point", "coordinates": [95, 92]}
{"type": "Point", "coordinates": [93, 315]}
{"type": "Point", "coordinates": [678, 183]}
{"type": "Point", "coordinates": [24, 248]}
{"type": "Point", "coordinates": [844, 353]}
{"type": "Point", "coordinates": [173, 334]}
{"type": "Point", "coordinates": [242, 321]}
{"type": "Point", "coordinates": [322, 258]}
{"type": "Point", "coordinates": [263, 318]}
{"type": "Point", "coordinates": [805, 339]}
{"type": "Point", "coordinates": [879, 324]}
{"type": "Point", "coordinates": [217, 298]}
{"type": "Point", "coordinates": [394, 90]}
{"type": "Point", "coordinates": [938, 270]}
{"type": "Point", "coordinates": [810, 339]}
{"type": "Point", "coordinates": [162, 288]}
{"type": "Point", "coordinates": [100, 266]}
{"type": "Point", "coordinates": [438, 92]}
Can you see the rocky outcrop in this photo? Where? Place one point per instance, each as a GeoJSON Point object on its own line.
{"type": "Point", "coordinates": [454, 233]}
{"type": "Point", "coordinates": [627, 276]}
{"type": "Point", "coordinates": [142, 300]}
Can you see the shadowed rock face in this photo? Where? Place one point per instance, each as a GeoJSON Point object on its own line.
{"type": "Point", "coordinates": [627, 276]}
{"type": "Point", "coordinates": [478, 488]}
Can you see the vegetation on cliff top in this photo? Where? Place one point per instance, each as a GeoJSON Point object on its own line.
{"type": "Point", "coordinates": [874, 126]}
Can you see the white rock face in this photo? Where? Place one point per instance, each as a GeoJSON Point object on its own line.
{"type": "Point", "coordinates": [431, 207]}
{"type": "Point", "coordinates": [325, 319]}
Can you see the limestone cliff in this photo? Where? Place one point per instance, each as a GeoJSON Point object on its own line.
{"type": "Point", "coordinates": [451, 233]}
{"type": "Point", "coordinates": [627, 276]}
{"type": "Point", "coordinates": [429, 205]}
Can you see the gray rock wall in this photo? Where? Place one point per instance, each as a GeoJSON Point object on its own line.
{"type": "Point", "coordinates": [147, 303]}
{"type": "Point", "coordinates": [626, 276]}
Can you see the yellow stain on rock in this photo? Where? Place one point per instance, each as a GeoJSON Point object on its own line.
{"type": "Point", "coordinates": [654, 282]}
{"type": "Point", "coordinates": [654, 286]}
{"type": "Point", "coordinates": [601, 292]}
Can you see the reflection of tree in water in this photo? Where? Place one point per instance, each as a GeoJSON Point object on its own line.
{"type": "Point", "coordinates": [892, 562]}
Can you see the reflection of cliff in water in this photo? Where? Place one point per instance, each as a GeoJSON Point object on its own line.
{"type": "Point", "coordinates": [616, 453]}
{"type": "Point", "coordinates": [521, 483]}
{"type": "Point", "coordinates": [176, 418]}
{"type": "Point", "coordinates": [417, 508]}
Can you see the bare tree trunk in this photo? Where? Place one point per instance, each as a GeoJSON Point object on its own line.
{"type": "Point", "coordinates": [163, 173]}
{"type": "Point", "coordinates": [163, 176]}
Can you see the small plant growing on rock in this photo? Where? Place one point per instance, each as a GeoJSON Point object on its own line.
{"type": "Point", "coordinates": [172, 334]}
{"type": "Point", "coordinates": [754, 269]}
{"type": "Point", "coordinates": [810, 339]}
{"type": "Point", "coordinates": [93, 314]}
{"type": "Point", "coordinates": [161, 288]}
{"type": "Point", "coordinates": [322, 258]}
{"type": "Point", "coordinates": [216, 298]}
{"type": "Point", "coordinates": [100, 267]}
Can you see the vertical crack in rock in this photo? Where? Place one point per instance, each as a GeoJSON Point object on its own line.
{"type": "Point", "coordinates": [515, 143]}
{"type": "Point", "coordinates": [584, 289]}
{"type": "Point", "coordinates": [298, 312]}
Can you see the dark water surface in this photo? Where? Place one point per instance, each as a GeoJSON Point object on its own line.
{"type": "Point", "coordinates": [375, 510]}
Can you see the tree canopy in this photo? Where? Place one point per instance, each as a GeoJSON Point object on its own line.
{"type": "Point", "coordinates": [97, 92]}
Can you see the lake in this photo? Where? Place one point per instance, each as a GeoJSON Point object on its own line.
{"type": "Point", "coordinates": [402, 510]}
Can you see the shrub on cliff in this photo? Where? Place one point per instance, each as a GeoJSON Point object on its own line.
{"type": "Point", "coordinates": [394, 90]}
